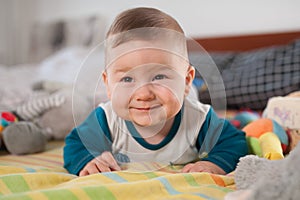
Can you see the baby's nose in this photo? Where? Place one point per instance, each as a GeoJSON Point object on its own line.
{"type": "Point", "coordinates": [145, 93]}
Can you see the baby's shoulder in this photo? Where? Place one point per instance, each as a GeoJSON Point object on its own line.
{"type": "Point", "coordinates": [192, 105]}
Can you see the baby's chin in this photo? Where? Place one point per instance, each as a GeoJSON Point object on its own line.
{"type": "Point", "coordinates": [147, 122]}
{"type": "Point", "coordinates": [150, 119]}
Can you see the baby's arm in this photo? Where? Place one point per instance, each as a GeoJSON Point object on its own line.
{"type": "Point", "coordinates": [86, 142]}
{"type": "Point", "coordinates": [103, 163]}
{"type": "Point", "coordinates": [225, 144]}
{"type": "Point", "coordinates": [203, 166]}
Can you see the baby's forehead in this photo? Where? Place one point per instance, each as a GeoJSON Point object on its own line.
{"type": "Point", "coordinates": [145, 38]}
{"type": "Point", "coordinates": [145, 57]}
{"type": "Point", "coordinates": [141, 45]}
{"type": "Point", "coordinates": [146, 51]}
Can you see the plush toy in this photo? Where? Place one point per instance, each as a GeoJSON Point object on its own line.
{"type": "Point", "coordinates": [262, 179]}
{"type": "Point", "coordinates": [266, 138]}
{"type": "Point", "coordinates": [24, 138]}
{"type": "Point", "coordinates": [46, 116]}
{"type": "Point", "coordinates": [285, 110]}
{"type": "Point", "coordinates": [294, 137]}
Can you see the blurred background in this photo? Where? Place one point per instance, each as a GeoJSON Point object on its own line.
{"type": "Point", "coordinates": [27, 26]}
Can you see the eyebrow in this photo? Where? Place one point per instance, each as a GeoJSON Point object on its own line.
{"type": "Point", "coordinates": [118, 69]}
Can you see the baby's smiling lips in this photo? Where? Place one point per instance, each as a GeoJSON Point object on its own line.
{"type": "Point", "coordinates": [145, 108]}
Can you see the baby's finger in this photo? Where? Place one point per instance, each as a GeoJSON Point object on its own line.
{"type": "Point", "coordinates": [198, 168]}
{"type": "Point", "coordinates": [91, 169]}
{"type": "Point", "coordinates": [110, 160]}
{"type": "Point", "coordinates": [187, 168]}
{"type": "Point", "coordinates": [102, 165]}
{"type": "Point", "coordinates": [83, 173]}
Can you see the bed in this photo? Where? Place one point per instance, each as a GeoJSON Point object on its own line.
{"type": "Point", "coordinates": [42, 176]}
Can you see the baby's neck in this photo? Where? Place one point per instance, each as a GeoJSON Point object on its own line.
{"type": "Point", "coordinates": [156, 133]}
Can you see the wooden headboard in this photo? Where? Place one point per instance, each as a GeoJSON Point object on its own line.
{"type": "Point", "coordinates": [245, 42]}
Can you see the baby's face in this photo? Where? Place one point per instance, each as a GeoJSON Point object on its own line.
{"type": "Point", "coordinates": [147, 86]}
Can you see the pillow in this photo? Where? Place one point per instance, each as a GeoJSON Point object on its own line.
{"type": "Point", "coordinates": [221, 60]}
{"type": "Point", "coordinates": [252, 77]}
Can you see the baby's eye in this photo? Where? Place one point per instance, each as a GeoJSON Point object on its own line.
{"type": "Point", "coordinates": [127, 79]}
{"type": "Point", "coordinates": [159, 77]}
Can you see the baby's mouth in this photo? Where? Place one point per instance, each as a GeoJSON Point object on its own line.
{"type": "Point", "coordinates": [146, 108]}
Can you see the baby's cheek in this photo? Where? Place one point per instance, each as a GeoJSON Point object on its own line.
{"type": "Point", "coordinates": [174, 88]}
{"type": "Point", "coordinates": [173, 97]}
{"type": "Point", "coordinates": [119, 100]}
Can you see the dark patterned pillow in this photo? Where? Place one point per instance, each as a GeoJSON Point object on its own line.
{"type": "Point", "coordinates": [222, 60]}
{"type": "Point", "coordinates": [254, 76]}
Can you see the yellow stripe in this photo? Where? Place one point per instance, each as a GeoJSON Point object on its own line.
{"type": "Point", "coordinates": [94, 180]}
{"type": "Point", "coordinates": [25, 161]}
{"type": "Point", "coordinates": [79, 193]}
{"type": "Point", "coordinates": [133, 176]}
{"type": "Point", "coordinates": [212, 192]}
{"type": "Point", "coordinates": [4, 189]}
{"type": "Point", "coordinates": [46, 159]}
{"type": "Point", "coordinates": [178, 182]}
{"type": "Point", "coordinates": [10, 169]}
{"type": "Point", "coordinates": [203, 178]}
{"type": "Point", "coordinates": [139, 190]}
{"type": "Point", "coordinates": [37, 196]}
{"type": "Point", "coordinates": [45, 180]}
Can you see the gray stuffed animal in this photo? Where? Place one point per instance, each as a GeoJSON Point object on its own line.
{"type": "Point", "coordinates": [261, 179]}
{"type": "Point", "coordinates": [47, 116]}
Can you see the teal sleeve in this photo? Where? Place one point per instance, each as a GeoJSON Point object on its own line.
{"type": "Point", "coordinates": [86, 141]}
{"type": "Point", "coordinates": [221, 142]}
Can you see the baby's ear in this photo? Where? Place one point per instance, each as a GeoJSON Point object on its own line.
{"type": "Point", "coordinates": [190, 75]}
{"type": "Point", "coordinates": [105, 80]}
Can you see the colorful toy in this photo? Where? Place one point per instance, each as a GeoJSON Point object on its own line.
{"type": "Point", "coordinates": [266, 138]}
{"type": "Point", "coordinates": [6, 119]}
{"type": "Point", "coordinates": [243, 118]}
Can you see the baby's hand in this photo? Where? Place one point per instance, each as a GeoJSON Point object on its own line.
{"type": "Point", "coordinates": [103, 163]}
{"type": "Point", "coordinates": [203, 166]}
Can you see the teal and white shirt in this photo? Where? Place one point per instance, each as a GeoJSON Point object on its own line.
{"type": "Point", "coordinates": [196, 131]}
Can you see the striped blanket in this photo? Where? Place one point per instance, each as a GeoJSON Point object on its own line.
{"type": "Point", "coordinates": [41, 176]}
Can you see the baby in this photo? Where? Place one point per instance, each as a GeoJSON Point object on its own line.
{"type": "Point", "coordinates": [149, 117]}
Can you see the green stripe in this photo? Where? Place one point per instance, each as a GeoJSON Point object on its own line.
{"type": "Point", "coordinates": [15, 183]}
{"type": "Point", "coordinates": [190, 179]}
{"type": "Point", "coordinates": [99, 193]}
{"type": "Point", "coordinates": [59, 194]}
{"type": "Point", "coordinates": [15, 196]}
{"type": "Point", "coordinates": [150, 174]}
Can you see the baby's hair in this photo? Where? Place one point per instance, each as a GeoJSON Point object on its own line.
{"type": "Point", "coordinates": [141, 17]}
